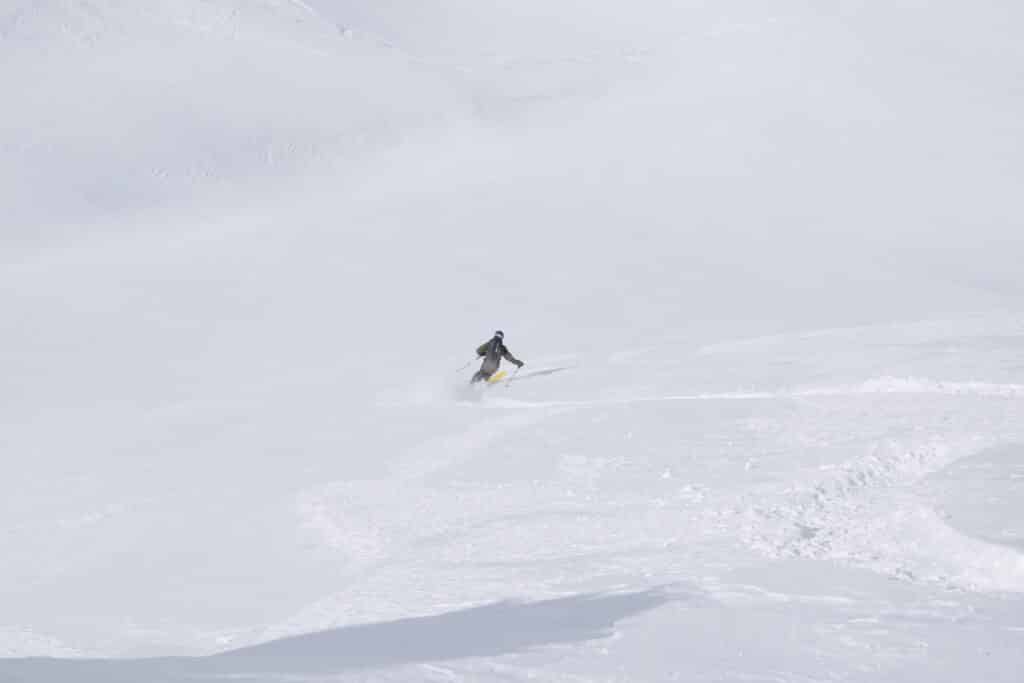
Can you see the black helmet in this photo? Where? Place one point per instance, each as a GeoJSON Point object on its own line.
{"type": "Point", "coordinates": [499, 334]}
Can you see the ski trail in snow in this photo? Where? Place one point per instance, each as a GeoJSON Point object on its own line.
{"type": "Point", "coordinates": [441, 453]}
{"type": "Point", "coordinates": [370, 522]}
{"type": "Point", "coordinates": [865, 513]}
{"type": "Point", "coordinates": [913, 385]}
{"type": "Point", "coordinates": [882, 385]}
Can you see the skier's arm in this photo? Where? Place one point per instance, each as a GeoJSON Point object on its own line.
{"type": "Point", "coordinates": [507, 355]}
{"type": "Point", "coordinates": [481, 350]}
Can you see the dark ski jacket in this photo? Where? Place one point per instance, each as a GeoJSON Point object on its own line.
{"type": "Point", "coordinates": [492, 352]}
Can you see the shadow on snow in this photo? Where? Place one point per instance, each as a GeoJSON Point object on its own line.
{"type": "Point", "coordinates": [495, 629]}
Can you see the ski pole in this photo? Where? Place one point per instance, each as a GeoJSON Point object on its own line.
{"type": "Point", "coordinates": [508, 382]}
{"type": "Point", "coordinates": [468, 363]}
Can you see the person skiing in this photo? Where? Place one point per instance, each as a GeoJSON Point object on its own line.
{"type": "Point", "coordinates": [492, 352]}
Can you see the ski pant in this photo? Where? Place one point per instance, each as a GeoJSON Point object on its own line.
{"type": "Point", "coordinates": [481, 375]}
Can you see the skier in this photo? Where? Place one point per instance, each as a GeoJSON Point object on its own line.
{"type": "Point", "coordinates": [492, 352]}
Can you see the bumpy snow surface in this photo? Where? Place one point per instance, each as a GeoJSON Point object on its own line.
{"type": "Point", "coordinates": [762, 260]}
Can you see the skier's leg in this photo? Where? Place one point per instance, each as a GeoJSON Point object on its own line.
{"type": "Point", "coordinates": [480, 376]}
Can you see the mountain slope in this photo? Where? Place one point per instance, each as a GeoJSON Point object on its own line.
{"type": "Point", "coordinates": [762, 264]}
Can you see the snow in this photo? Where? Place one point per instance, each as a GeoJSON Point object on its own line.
{"type": "Point", "coordinates": [762, 263]}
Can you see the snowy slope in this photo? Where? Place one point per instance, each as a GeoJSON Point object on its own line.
{"type": "Point", "coordinates": [762, 263]}
{"type": "Point", "coordinates": [125, 107]}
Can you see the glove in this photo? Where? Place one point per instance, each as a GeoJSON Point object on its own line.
{"type": "Point", "coordinates": [520, 364]}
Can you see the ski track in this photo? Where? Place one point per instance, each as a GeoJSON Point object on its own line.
{"type": "Point", "coordinates": [439, 454]}
{"type": "Point", "coordinates": [865, 513]}
{"type": "Point", "coordinates": [882, 385]}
